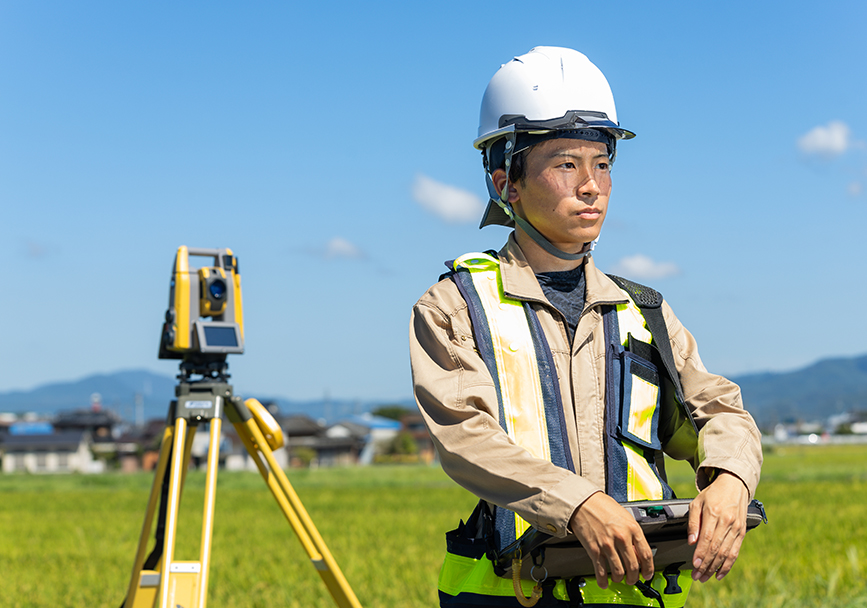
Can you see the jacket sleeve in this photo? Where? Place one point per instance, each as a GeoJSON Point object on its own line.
{"type": "Point", "coordinates": [458, 400]}
{"type": "Point", "coordinates": [728, 437]}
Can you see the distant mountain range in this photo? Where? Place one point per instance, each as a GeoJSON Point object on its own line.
{"type": "Point", "coordinates": [144, 395]}
{"type": "Point", "coordinates": [815, 392]}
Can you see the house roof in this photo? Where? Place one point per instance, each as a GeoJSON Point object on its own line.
{"type": "Point", "coordinates": [86, 418]}
{"type": "Point", "coordinates": [66, 440]}
{"type": "Point", "coordinates": [351, 428]}
{"type": "Point", "coordinates": [300, 424]}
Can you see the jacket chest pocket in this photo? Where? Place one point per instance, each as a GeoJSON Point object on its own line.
{"type": "Point", "coordinates": [639, 396]}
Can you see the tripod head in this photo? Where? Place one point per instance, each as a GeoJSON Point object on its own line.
{"type": "Point", "coordinates": [204, 321]}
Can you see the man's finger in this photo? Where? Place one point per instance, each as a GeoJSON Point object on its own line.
{"type": "Point", "coordinates": [630, 562]}
{"type": "Point", "coordinates": [601, 575]}
{"type": "Point", "coordinates": [703, 556]}
{"type": "Point", "coordinates": [617, 566]}
{"type": "Point", "coordinates": [730, 560]}
{"type": "Point", "coordinates": [645, 558]}
{"type": "Point", "coordinates": [694, 523]}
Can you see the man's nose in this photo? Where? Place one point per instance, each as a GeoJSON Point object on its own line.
{"type": "Point", "coordinates": [588, 186]}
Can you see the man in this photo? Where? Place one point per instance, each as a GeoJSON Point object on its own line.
{"type": "Point", "coordinates": [544, 382]}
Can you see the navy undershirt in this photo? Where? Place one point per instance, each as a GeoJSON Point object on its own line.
{"type": "Point", "coordinates": [565, 291]}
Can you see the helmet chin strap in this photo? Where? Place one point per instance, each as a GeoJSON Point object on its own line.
{"type": "Point", "coordinates": [502, 200]}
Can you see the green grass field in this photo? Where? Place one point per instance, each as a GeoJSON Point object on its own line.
{"type": "Point", "coordinates": [69, 541]}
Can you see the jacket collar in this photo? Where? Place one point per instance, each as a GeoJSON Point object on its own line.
{"type": "Point", "coordinates": [519, 280]}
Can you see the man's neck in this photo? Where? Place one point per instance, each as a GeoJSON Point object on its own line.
{"type": "Point", "coordinates": [539, 259]}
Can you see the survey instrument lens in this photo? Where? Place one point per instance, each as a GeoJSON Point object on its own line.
{"type": "Point", "coordinates": [218, 290]}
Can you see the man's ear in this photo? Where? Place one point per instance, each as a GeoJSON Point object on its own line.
{"type": "Point", "coordinates": [499, 179]}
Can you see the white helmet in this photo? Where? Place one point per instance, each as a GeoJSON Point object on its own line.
{"type": "Point", "coordinates": [549, 88]}
{"type": "Point", "coordinates": [549, 92]}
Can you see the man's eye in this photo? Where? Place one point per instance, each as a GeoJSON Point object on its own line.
{"type": "Point", "coordinates": [568, 165]}
{"type": "Point", "coordinates": [604, 166]}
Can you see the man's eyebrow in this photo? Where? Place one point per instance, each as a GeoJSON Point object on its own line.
{"type": "Point", "coordinates": [562, 154]}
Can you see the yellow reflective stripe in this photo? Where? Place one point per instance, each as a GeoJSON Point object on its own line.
{"type": "Point", "coordinates": [467, 575]}
{"type": "Point", "coordinates": [641, 482]}
{"type": "Point", "coordinates": [515, 356]}
{"type": "Point", "coordinates": [517, 367]}
{"type": "Point", "coordinates": [461, 574]}
{"type": "Point", "coordinates": [641, 418]}
{"type": "Point", "coordinates": [631, 321]}
{"type": "Point", "coordinates": [521, 526]}
{"type": "Point", "coordinates": [619, 594]}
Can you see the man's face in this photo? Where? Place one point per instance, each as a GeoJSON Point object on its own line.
{"type": "Point", "coordinates": [565, 190]}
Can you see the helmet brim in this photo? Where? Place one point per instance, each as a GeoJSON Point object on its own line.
{"type": "Point", "coordinates": [570, 120]}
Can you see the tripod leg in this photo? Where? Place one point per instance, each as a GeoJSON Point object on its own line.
{"type": "Point", "coordinates": [146, 585]}
{"type": "Point", "coordinates": [295, 512]}
{"type": "Point", "coordinates": [177, 474]}
{"type": "Point", "coordinates": [162, 465]}
{"type": "Point", "coordinates": [208, 515]}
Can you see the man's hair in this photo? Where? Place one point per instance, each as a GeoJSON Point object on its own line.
{"type": "Point", "coordinates": [496, 159]}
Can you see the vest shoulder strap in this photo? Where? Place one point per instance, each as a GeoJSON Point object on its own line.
{"type": "Point", "coordinates": [643, 296]}
{"type": "Point", "coordinates": [450, 264]}
{"type": "Point", "coordinates": [650, 302]}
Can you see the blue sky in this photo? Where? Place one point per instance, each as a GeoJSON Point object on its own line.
{"type": "Point", "coordinates": [330, 147]}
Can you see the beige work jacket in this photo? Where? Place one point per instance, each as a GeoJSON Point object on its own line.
{"type": "Point", "coordinates": [456, 395]}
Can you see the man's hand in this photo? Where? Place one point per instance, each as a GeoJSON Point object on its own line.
{"type": "Point", "coordinates": [613, 540]}
{"type": "Point", "coordinates": [717, 524]}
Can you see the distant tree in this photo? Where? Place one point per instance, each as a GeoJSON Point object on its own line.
{"type": "Point", "coordinates": [394, 411]}
{"type": "Point", "coordinates": [402, 445]}
{"type": "Point", "coordinates": [304, 456]}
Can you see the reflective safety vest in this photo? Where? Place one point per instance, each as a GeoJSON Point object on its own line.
{"type": "Point", "coordinates": [510, 340]}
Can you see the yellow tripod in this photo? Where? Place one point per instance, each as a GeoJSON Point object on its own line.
{"type": "Point", "coordinates": [163, 582]}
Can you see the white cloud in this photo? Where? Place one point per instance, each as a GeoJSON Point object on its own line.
{"type": "Point", "coordinates": [336, 248]}
{"type": "Point", "coordinates": [829, 140]}
{"type": "Point", "coordinates": [641, 267]}
{"type": "Point", "coordinates": [450, 203]}
{"type": "Point", "coordinates": [341, 248]}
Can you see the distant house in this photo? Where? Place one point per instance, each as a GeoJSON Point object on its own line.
{"type": "Point", "coordinates": [372, 431]}
{"type": "Point", "coordinates": [100, 423]}
{"type": "Point", "coordinates": [60, 452]}
{"type": "Point", "coordinates": [309, 442]}
{"type": "Point", "coordinates": [238, 459]}
{"type": "Point", "coordinates": [7, 419]}
{"type": "Point", "coordinates": [138, 448]}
